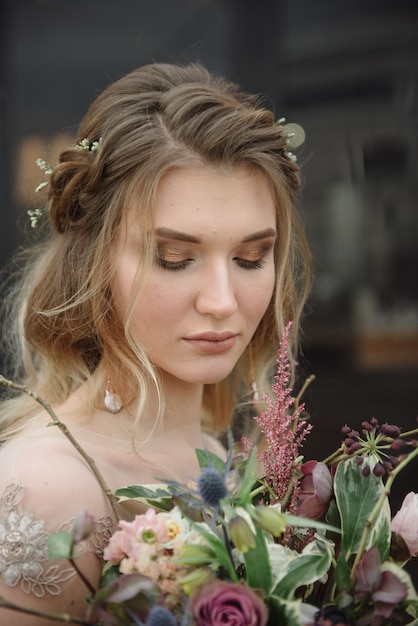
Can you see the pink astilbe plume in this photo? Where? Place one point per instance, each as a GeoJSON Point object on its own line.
{"type": "Point", "coordinates": [284, 431]}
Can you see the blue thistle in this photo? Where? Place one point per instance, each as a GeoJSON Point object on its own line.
{"type": "Point", "coordinates": [211, 486]}
{"type": "Point", "coordinates": [332, 616]}
{"type": "Point", "coordinates": [159, 616]}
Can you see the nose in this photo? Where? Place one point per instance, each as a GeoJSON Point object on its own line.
{"type": "Point", "coordinates": [216, 294]}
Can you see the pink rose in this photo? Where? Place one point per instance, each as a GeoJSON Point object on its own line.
{"type": "Point", "coordinates": [116, 549]}
{"type": "Point", "coordinates": [221, 603]}
{"type": "Point", "coordinates": [315, 490]}
{"type": "Point", "coordinates": [145, 529]}
{"type": "Point", "coordinates": [405, 522]}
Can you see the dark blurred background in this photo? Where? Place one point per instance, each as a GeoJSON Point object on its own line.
{"type": "Point", "coordinates": [347, 71]}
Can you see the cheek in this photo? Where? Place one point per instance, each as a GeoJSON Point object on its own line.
{"type": "Point", "coordinates": [122, 291]}
{"type": "Point", "coordinates": [257, 296]}
{"type": "Point", "coordinates": [159, 304]}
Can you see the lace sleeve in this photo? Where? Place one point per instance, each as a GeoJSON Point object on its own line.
{"type": "Point", "coordinates": [44, 484]}
{"type": "Point", "coordinates": [24, 550]}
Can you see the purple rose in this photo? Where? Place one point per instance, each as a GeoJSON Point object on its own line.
{"type": "Point", "coordinates": [220, 603]}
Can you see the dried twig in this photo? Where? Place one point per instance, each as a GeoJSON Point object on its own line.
{"type": "Point", "coordinates": [63, 617]}
{"type": "Point", "coordinates": [63, 428]}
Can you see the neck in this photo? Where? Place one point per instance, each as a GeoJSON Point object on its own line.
{"type": "Point", "coordinates": [169, 446]}
{"type": "Point", "coordinates": [181, 411]}
{"type": "Point", "coordinates": [172, 443]}
{"type": "Point", "coordinates": [183, 402]}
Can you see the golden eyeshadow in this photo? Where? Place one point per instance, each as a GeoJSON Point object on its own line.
{"type": "Point", "coordinates": [171, 254]}
{"type": "Point", "coordinates": [254, 254]}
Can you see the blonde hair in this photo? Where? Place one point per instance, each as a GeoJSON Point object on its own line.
{"type": "Point", "coordinates": [157, 117]}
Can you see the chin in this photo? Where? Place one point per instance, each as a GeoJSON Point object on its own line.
{"type": "Point", "coordinates": [214, 380]}
{"type": "Point", "coordinates": [203, 374]}
{"type": "Point", "coordinates": [207, 378]}
{"type": "Point", "coordinates": [216, 377]}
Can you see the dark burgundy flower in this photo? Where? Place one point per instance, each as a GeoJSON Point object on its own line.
{"type": "Point", "coordinates": [129, 595]}
{"type": "Point", "coordinates": [315, 490]}
{"type": "Point", "coordinates": [382, 587]}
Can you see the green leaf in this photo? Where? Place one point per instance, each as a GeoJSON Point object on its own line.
{"type": "Point", "coordinates": [219, 548]}
{"type": "Point", "coordinates": [140, 492]}
{"type": "Point", "coordinates": [209, 459]}
{"type": "Point", "coordinates": [356, 496]}
{"type": "Point", "coordinates": [257, 565]}
{"type": "Point", "coordinates": [60, 545]}
{"type": "Point", "coordinates": [283, 611]}
{"type": "Point", "coordinates": [342, 573]}
{"type": "Point", "coordinates": [380, 532]}
{"type": "Point", "coordinates": [333, 518]}
{"type": "Point", "coordinates": [305, 569]}
{"type": "Point", "coordinates": [305, 522]}
{"type": "Point", "coordinates": [109, 576]}
{"type": "Point", "coordinates": [158, 498]}
{"type": "Point", "coordinates": [247, 481]}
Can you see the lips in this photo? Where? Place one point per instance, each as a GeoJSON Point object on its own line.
{"type": "Point", "coordinates": [212, 342]}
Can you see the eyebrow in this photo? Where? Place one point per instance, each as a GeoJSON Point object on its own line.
{"type": "Point", "coordinates": [261, 234]}
{"type": "Point", "coordinates": [169, 233]}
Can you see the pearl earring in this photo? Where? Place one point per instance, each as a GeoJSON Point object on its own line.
{"type": "Point", "coordinates": [254, 395]}
{"type": "Point", "coordinates": [112, 401]}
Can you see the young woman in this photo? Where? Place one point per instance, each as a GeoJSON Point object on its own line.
{"type": "Point", "coordinates": [172, 261]}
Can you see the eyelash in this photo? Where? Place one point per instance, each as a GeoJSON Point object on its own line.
{"type": "Point", "coordinates": [250, 265]}
{"type": "Point", "coordinates": [169, 265]}
{"type": "Point", "coordinates": [180, 265]}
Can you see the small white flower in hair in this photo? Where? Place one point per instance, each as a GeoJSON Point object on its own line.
{"type": "Point", "coordinates": [85, 144]}
{"type": "Point", "coordinates": [35, 215]}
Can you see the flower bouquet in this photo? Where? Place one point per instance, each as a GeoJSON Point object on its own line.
{"type": "Point", "coordinates": [265, 538]}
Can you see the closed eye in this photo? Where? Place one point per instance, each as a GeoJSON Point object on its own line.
{"type": "Point", "coordinates": [171, 265]}
{"type": "Point", "coordinates": [250, 265]}
{"type": "Point", "coordinates": [254, 257]}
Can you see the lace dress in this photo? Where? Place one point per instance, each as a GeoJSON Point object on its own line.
{"type": "Point", "coordinates": [44, 484]}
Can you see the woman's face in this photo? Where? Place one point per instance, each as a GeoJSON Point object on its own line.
{"type": "Point", "coordinates": [214, 274]}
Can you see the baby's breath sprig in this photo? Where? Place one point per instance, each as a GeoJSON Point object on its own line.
{"type": "Point", "coordinates": [35, 215]}
{"type": "Point", "coordinates": [47, 168]}
{"type": "Point", "coordinates": [85, 144]}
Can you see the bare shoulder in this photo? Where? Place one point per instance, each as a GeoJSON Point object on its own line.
{"type": "Point", "coordinates": [55, 480]}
